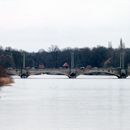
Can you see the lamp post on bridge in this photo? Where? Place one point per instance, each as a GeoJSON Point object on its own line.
{"type": "Point", "coordinates": [24, 73]}
{"type": "Point", "coordinates": [122, 55]}
{"type": "Point", "coordinates": [72, 72]}
{"type": "Point", "coordinates": [123, 71]}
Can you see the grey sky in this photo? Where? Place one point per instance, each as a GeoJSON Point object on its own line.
{"type": "Point", "coordinates": [35, 24]}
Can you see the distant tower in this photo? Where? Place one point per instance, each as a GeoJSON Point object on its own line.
{"type": "Point", "coordinates": [109, 44]}
{"type": "Point", "coordinates": [122, 55]}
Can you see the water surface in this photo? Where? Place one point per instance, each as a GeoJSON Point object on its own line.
{"type": "Point", "coordinates": [58, 103]}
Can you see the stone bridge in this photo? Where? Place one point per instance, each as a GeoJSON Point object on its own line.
{"type": "Point", "coordinates": [72, 72]}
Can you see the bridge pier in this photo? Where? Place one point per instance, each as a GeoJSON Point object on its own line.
{"type": "Point", "coordinates": [24, 75]}
{"type": "Point", "coordinates": [123, 74]}
{"type": "Point", "coordinates": [72, 75]}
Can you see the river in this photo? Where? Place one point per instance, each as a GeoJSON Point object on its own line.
{"type": "Point", "coordinates": [58, 103]}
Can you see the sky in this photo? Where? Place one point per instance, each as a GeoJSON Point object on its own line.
{"type": "Point", "coordinates": [37, 24]}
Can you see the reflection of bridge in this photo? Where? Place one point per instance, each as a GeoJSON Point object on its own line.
{"type": "Point", "coordinates": [72, 72]}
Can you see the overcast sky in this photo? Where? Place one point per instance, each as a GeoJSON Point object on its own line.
{"type": "Point", "coordinates": [35, 24]}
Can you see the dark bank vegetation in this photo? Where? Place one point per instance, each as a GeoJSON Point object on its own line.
{"type": "Point", "coordinates": [54, 58]}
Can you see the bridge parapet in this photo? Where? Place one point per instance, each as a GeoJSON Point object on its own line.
{"type": "Point", "coordinates": [71, 73]}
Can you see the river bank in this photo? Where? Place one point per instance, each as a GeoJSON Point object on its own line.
{"type": "Point", "coordinates": [5, 81]}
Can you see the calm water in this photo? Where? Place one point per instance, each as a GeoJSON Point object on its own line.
{"type": "Point", "coordinates": [58, 103]}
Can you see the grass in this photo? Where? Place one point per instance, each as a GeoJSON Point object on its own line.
{"type": "Point", "coordinates": [5, 81]}
{"type": "Point", "coordinates": [4, 78]}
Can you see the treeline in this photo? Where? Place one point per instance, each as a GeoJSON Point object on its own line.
{"type": "Point", "coordinates": [54, 58]}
